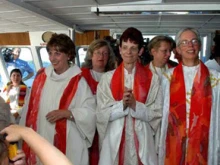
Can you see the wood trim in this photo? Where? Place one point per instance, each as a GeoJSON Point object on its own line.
{"type": "Point", "coordinates": [15, 38]}
{"type": "Point", "coordinates": [87, 37]}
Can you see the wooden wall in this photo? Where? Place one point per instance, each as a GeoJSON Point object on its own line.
{"type": "Point", "coordinates": [80, 39]}
{"type": "Point", "coordinates": [15, 38]}
{"type": "Point", "coordinates": [87, 37]}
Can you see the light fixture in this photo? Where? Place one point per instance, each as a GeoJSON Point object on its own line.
{"type": "Point", "coordinates": [157, 9]}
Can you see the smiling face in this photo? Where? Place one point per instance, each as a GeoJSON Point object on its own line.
{"type": "Point", "coordinates": [161, 54]}
{"type": "Point", "coordinates": [59, 60]}
{"type": "Point", "coordinates": [129, 52]}
{"type": "Point", "coordinates": [189, 46]}
{"type": "Point", "coordinates": [16, 52]}
{"type": "Point", "coordinates": [100, 58]}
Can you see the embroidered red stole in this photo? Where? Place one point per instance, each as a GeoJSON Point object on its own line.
{"type": "Point", "coordinates": [90, 80]}
{"type": "Point", "coordinates": [22, 93]}
{"type": "Point", "coordinates": [142, 81]}
{"type": "Point", "coordinates": [33, 107]}
{"type": "Point", "coordinates": [195, 151]}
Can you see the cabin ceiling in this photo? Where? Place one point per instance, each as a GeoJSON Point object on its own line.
{"type": "Point", "coordinates": [149, 16]}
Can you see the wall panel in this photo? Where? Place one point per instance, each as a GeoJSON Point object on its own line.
{"type": "Point", "coordinates": [14, 38]}
{"type": "Point", "coordinates": [87, 37]}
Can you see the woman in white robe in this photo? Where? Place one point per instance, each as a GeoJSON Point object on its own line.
{"type": "Point", "coordinates": [128, 109]}
{"type": "Point", "coordinates": [188, 42]}
{"type": "Point", "coordinates": [160, 48]}
{"type": "Point", "coordinates": [61, 85]}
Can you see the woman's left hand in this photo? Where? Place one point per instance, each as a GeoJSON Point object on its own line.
{"type": "Point", "coordinates": [56, 115]}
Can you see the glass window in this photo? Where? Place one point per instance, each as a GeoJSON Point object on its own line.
{"type": "Point", "coordinates": [44, 57]}
{"type": "Point", "coordinates": [1, 83]}
{"type": "Point", "coordinates": [21, 58]}
{"type": "Point", "coordinates": [81, 53]}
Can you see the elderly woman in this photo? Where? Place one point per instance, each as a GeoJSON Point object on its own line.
{"type": "Point", "coordinates": [61, 106]}
{"type": "Point", "coordinates": [99, 59]}
{"type": "Point", "coordinates": [190, 131]}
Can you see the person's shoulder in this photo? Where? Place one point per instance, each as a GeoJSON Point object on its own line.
{"type": "Point", "coordinates": [109, 73]}
{"type": "Point", "coordinates": [214, 78]}
{"type": "Point", "coordinates": [209, 62]}
{"type": "Point", "coordinates": [20, 61]}
{"type": "Point", "coordinates": [107, 76]}
{"type": "Point", "coordinates": [169, 71]}
{"type": "Point", "coordinates": [214, 74]}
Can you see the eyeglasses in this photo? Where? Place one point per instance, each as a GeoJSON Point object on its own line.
{"type": "Point", "coordinates": [186, 43]}
{"type": "Point", "coordinates": [101, 53]}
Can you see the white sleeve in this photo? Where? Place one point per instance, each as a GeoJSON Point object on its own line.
{"type": "Point", "coordinates": [119, 112]}
{"type": "Point", "coordinates": [141, 112]}
{"type": "Point", "coordinates": [150, 113]}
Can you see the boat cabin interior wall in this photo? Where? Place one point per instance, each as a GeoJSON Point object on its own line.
{"type": "Point", "coordinates": [28, 23]}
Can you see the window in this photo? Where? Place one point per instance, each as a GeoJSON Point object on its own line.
{"type": "Point", "coordinates": [44, 57]}
{"type": "Point", "coordinates": [81, 54]}
{"type": "Point", "coordinates": [21, 58]}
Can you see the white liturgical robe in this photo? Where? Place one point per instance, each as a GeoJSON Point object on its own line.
{"type": "Point", "coordinates": [79, 132]}
{"type": "Point", "coordinates": [110, 122]}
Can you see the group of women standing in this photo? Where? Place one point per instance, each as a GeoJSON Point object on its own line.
{"type": "Point", "coordinates": [131, 115]}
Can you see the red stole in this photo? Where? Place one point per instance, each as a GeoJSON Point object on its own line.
{"type": "Point", "coordinates": [94, 149]}
{"type": "Point", "coordinates": [177, 149]}
{"type": "Point", "coordinates": [90, 80]}
{"type": "Point", "coordinates": [33, 107]}
{"type": "Point", "coordinates": [142, 81]}
{"type": "Point", "coordinates": [22, 93]}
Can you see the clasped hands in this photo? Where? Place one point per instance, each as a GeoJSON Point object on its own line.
{"type": "Point", "coordinates": [129, 99]}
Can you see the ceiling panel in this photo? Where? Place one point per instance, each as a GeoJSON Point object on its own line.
{"type": "Point", "coordinates": [36, 15]}
{"type": "Point", "coordinates": [190, 1]}
{"type": "Point", "coordinates": [62, 3]}
{"type": "Point", "coordinates": [69, 10]}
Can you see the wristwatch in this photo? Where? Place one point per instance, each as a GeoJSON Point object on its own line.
{"type": "Point", "coordinates": [71, 117]}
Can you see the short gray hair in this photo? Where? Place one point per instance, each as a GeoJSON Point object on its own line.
{"type": "Point", "coordinates": [196, 32]}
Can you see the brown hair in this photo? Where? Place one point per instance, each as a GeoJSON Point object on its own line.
{"type": "Point", "coordinates": [96, 44]}
{"type": "Point", "coordinates": [64, 44]}
{"type": "Point", "coordinates": [134, 35]}
{"type": "Point", "coordinates": [156, 41]}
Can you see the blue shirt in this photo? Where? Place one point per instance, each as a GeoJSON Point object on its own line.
{"type": "Point", "coordinates": [19, 64]}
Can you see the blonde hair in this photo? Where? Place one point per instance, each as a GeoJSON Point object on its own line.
{"type": "Point", "coordinates": [96, 44]}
